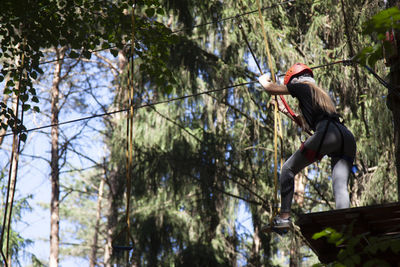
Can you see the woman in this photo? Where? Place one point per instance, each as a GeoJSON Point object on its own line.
{"type": "Point", "coordinates": [330, 138]}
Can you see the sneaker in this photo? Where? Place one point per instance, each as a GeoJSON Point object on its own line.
{"type": "Point", "coordinates": [280, 223]}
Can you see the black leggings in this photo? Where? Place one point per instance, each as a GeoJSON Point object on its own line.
{"type": "Point", "coordinates": [336, 134]}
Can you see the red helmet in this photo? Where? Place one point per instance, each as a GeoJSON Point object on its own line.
{"type": "Point", "coordinates": [294, 70]}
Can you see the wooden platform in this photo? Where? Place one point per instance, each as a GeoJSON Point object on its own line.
{"type": "Point", "coordinates": [377, 221]}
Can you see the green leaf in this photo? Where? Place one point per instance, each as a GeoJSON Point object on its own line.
{"type": "Point", "coordinates": [383, 21]}
{"type": "Point", "coordinates": [160, 11]}
{"type": "Point", "coordinates": [114, 52]}
{"type": "Point", "coordinates": [150, 12]}
{"type": "Point", "coordinates": [23, 137]}
{"type": "Point", "coordinates": [168, 89]}
{"type": "Point", "coordinates": [35, 99]}
{"type": "Point", "coordinates": [26, 107]}
{"type": "Point", "coordinates": [36, 109]}
{"type": "Point", "coordinates": [87, 54]}
{"type": "Point", "coordinates": [73, 54]}
{"type": "Point", "coordinates": [326, 232]}
{"type": "Point", "coordinates": [7, 91]}
{"type": "Point", "coordinates": [24, 97]}
{"type": "Point", "coordinates": [10, 83]}
{"type": "Point", "coordinates": [4, 126]}
{"type": "Point", "coordinates": [39, 70]}
{"type": "Point", "coordinates": [34, 75]}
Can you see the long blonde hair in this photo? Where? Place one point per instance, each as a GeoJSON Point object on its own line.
{"type": "Point", "coordinates": [321, 98]}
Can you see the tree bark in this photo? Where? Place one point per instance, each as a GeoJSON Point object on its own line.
{"type": "Point", "coordinates": [112, 216]}
{"type": "Point", "coordinates": [2, 131]}
{"type": "Point", "coordinates": [294, 253]}
{"type": "Point", "coordinates": [394, 104]}
{"type": "Point", "coordinates": [113, 180]}
{"type": "Point", "coordinates": [299, 188]}
{"type": "Point", "coordinates": [92, 262]}
{"type": "Point", "coordinates": [55, 171]}
{"type": "Point", "coordinates": [393, 100]}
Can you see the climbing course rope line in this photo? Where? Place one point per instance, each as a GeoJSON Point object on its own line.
{"type": "Point", "coordinates": [130, 130]}
{"type": "Point", "coordinates": [276, 115]}
{"type": "Point", "coordinates": [345, 62]}
{"type": "Point", "coordinates": [129, 144]}
{"type": "Point", "coordinates": [352, 61]}
{"type": "Point", "coordinates": [135, 107]}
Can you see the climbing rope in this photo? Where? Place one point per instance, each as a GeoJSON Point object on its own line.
{"type": "Point", "coordinates": [276, 116]}
{"type": "Point", "coordinates": [135, 107]}
{"type": "Point", "coordinates": [129, 145]}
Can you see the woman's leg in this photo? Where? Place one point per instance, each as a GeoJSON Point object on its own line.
{"type": "Point", "coordinates": [340, 175]}
{"type": "Point", "coordinates": [291, 167]}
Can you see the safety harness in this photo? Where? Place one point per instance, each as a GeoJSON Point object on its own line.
{"type": "Point", "coordinates": [315, 155]}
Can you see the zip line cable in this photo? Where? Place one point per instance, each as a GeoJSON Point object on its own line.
{"type": "Point", "coordinates": [351, 61]}
{"type": "Point", "coordinates": [345, 62]}
{"type": "Point", "coordinates": [135, 108]}
{"type": "Point", "coordinates": [195, 26]}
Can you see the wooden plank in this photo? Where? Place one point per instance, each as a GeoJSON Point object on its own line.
{"type": "Point", "coordinates": [376, 220]}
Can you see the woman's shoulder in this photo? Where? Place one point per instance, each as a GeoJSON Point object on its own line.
{"type": "Point", "coordinates": [298, 89]}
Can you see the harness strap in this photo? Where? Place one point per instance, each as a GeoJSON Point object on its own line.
{"type": "Point", "coordinates": [323, 138]}
{"type": "Point", "coordinates": [310, 154]}
{"type": "Point", "coordinates": [349, 159]}
{"type": "Point", "coordinates": [314, 155]}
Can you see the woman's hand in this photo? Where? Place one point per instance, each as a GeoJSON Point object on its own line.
{"type": "Point", "coordinates": [265, 80]}
{"type": "Point", "coordinates": [271, 87]}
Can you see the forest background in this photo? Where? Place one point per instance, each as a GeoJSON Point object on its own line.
{"type": "Point", "coordinates": [199, 163]}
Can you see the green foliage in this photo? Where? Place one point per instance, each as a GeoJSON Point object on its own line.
{"type": "Point", "coordinates": [12, 121]}
{"type": "Point", "coordinates": [17, 244]}
{"type": "Point", "coordinates": [377, 27]}
{"type": "Point", "coordinates": [355, 248]}
{"type": "Point", "coordinates": [383, 21]}
{"type": "Point", "coordinates": [82, 26]}
{"type": "Point", "coordinates": [192, 157]}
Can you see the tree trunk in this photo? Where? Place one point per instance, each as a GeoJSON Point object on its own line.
{"type": "Point", "coordinates": [112, 217]}
{"type": "Point", "coordinates": [92, 262]}
{"type": "Point", "coordinates": [393, 100]}
{"type": "Point", "coordinates": [299, 187]}
{"type": "Point", "coordinates": [2, 131]}
{"type": "Point", "coordinates": [394, 104]}
{"type": "Point", "coordinates": [55, 171]}
{"type": "Point", "coordinates": [114, 182]}
{"type": "Point", "coordinates": [294, 252]}
{"type": "Point", "coordinates": [12, 185]}
{"type": "Point", "coordinates": [255, 256]}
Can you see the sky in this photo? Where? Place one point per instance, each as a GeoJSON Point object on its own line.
{"type": "Point", "coordinates": [34, 174]}
{"type": "Point", "coordinates": [34, 169]}
{"type": "Point", "coordinates": [34, 179]}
